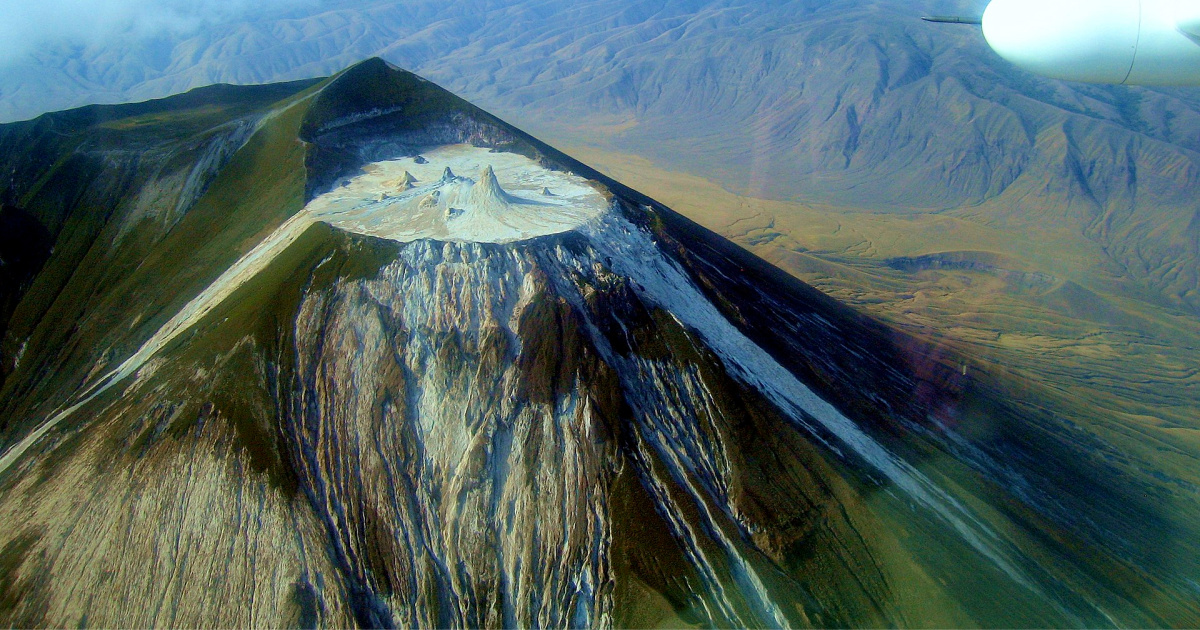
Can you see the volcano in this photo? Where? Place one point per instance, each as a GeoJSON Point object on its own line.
{"type": "Point", "coordinates": [355, 352]}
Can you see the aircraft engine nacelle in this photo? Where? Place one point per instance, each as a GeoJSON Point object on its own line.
{"type": "Point", "coordinates": [1134, 42]}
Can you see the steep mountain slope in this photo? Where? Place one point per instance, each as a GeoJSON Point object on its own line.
{"type": "Point", "coordinates": [359, 352]}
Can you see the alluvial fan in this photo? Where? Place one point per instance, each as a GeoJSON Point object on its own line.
{"type": "Point", "coordinates": [356, 352]}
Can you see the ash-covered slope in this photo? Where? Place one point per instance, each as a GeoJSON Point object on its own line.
{"type": "Point", "coordinates": [359, 352]}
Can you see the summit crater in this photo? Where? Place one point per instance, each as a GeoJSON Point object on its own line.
{"type": "Point", "coordinates": [431, 201]}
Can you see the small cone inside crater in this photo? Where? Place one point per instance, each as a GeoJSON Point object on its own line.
{"type": "Point", "coordinates": [487, 193]}
{"type": "Point", "coordinates": [402, 183]}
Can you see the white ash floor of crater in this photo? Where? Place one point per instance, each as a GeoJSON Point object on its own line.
{"type": "Point", "coordinates": [464, 207]}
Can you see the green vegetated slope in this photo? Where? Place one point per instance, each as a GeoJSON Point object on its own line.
{"type": "Point", "coordinates": [1109, 460]}
{"type": "Point", "coordinates": [193, 474]}
{"type": "Point", "coordinates": [147, 204]}
{"type": "Point", "coordinates": [173, 503]}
